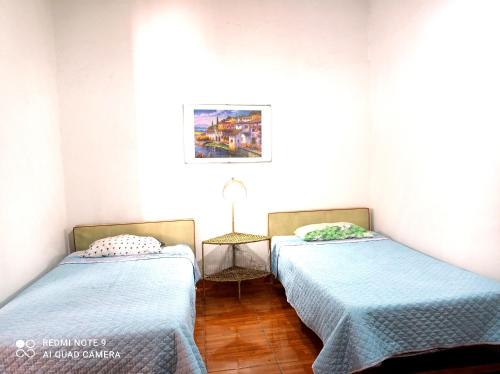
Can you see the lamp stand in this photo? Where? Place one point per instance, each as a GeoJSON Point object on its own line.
{"type": "Point", "coordinates": [232, 214]}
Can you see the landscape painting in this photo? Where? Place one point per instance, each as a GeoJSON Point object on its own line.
{"type": "Point", "coordinates": [227, 133]}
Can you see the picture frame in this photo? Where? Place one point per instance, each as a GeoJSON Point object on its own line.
{"type": "Point", "coordinates": [227, 133]}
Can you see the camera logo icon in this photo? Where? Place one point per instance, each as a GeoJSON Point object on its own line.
{"type": "Point", "coordinates": [25, 348]}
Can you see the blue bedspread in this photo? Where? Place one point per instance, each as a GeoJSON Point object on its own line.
{"type": "Point", "coordinates": [127, 314]}
{"type": "Point", "coordinates": [372, 299]}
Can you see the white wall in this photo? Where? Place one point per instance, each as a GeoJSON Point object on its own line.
{"type": "Point", "coordinates": [126, 68]}
{"type": "Point", "coordinates": [32, 209]}
{"type": "Point", "coordinates": [425, 157]}
{"type": "Point", "coordinates": [435, 123]}
{"type": "Point", "coordinates": [96, 96]}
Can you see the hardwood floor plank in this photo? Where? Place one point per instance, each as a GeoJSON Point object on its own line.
{"type": "Point", "coordinates": [296, 368]}
{"type": "Point", "coordinates": [267, 369]}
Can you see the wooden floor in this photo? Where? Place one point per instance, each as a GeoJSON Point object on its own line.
{"type": "Point", "coordinates": [261, 333]}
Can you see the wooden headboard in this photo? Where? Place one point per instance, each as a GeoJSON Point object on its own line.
{"type": "Point", "coordinates": [169, 232]}
{"type": "Point", "coordinates": [285, 223]}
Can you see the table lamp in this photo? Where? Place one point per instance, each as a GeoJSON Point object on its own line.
{"type": "Point", "coordinates": [234, 190]}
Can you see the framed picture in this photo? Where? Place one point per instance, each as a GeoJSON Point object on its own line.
{"type": "Point", "coordinates": [227, 133]}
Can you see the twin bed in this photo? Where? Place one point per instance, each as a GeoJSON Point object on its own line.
{"type": "Point", "coordinates": [367, 299]}
{"type": "Point", "coordinates": [124, 314]}
{"type": "Point", "coordinates": [370, 299]}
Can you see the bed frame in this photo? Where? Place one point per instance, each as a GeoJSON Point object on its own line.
{"type": "Point", "coordinates": [181, 231]}
{"type": "Point", "coordinates": [285, 223]}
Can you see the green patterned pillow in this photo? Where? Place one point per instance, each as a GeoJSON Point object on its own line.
{"type": "Point", "coordinates": [332, 231]}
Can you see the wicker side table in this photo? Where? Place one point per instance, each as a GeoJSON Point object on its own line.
{"type": "Point", "coordinates": [234, 273]}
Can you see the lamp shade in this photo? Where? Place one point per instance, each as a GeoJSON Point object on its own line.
{"type": "Point", "coordinates": [234, 190]}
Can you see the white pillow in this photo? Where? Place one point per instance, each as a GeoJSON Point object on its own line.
{"type": "Point", "coordinates": [123, 245]}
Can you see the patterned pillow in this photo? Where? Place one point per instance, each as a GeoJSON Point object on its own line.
{"type": "Point", "coordinates": [332, 231]}
{"type": "Point", "coordinates": [123, 245]}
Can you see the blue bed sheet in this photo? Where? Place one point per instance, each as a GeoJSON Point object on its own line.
{"type": "Point", "coordinates": [371, 299]}
{"type": "Point", "coordinates": [126, 314]}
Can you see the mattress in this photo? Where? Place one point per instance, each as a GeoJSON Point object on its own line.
{"type": "Point", "coordinates": [125, 314]}
{"type": "Point", "coordinates": [370, 299]}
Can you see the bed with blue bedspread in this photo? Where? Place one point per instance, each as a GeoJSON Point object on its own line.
{"type": "Point", "coordinates": [126, 314]}
{"type": "Point", "coordinates": [371, 299]}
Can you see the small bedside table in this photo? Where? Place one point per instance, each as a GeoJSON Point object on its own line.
{"type": "Point", "coordinates": [234, 273]}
